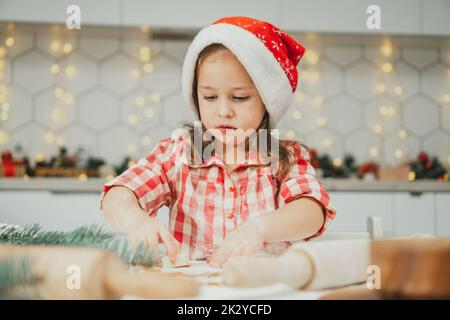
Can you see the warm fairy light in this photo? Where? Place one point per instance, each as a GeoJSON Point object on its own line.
{"type": "Point", "coordinates": [296, 115]}
{"type": "Point", "coordinates": [402, 134]}
{"type": "Point", "coordinates": [67, 98]}
{"type": "Point", "coordinates": [411, 176]}
{"type": "Point", "coordinates": [337, 162]}
{"type": "Point", "coordinates": [55, 46]}
{"type": "Point", "coordinates": [290, 134]}
{"type": "Point", "coordinates": [5, 106]}
{"type": "Point", "coordinates": [373, 152]}
{"type": "Point", "coordinates": [311, 56]}
{"type": "Point", "coordinates": [67, 47]}
{"type": "Point", "coordinates": [299, 97]}
{"type": "Point", "coordinates": [317, 101]}
{"type": "Point", "coordinates": [57, 115]}
{"type": "Point", "coordinates": [156, 97]}
{"type": "Point", "coordinates": [82, 177]}
{"type": "Point", "coordinates": [148, 67]}
{"type": "Point", "coordinates": [149, 113]}
{"type": "Point", "coordinates": [2, 52]}
{"type": "Point", "coordinates": [132, 119]}
{"type": "Point", "coordinates": [49, 137]}
{"type": "Point", "coordinates": [398, 153]}
{"type": "Point", "coordinates": [326, 142]}
{"type": "Point", "coordinates": [381, 87]}
{"type": "Point", "coordinates": [387, 111]}
{"type": "Point", "coordinates": [55, 68]}
{"type": "Point", "coordinates": [387, 67]}
{"type": "Point", "coordinates": [9, 42]}
{"type": "Point", "coordinates": [26, 177]}
{"type": "Point", "coordinates": [132, 148]}
{"type": "Point", "coordinates": [386, 50]}
{"type": "Point", "coordinates": [4, 137]}
{"type": "Point", "coordinates": [70, 71]}
{"type": "Point", "coordinates": [139, 101]}
{"type": "Point", "coordinates": [322, 121]}
{"type": "Point", "coordinates": [145, 28]}
{"type": "Point", "coordinates": [135, 73]}
{"type": "Point", "coordinates": [398, 90]}
{"type": "Point", "coordinates": [144, 54]}
{"type": "Point", "coordinates": [58, 92]}
{"type": "Point", "coordinates": [60, 141]}
{"type": "Point", "coordinates": [40, 157]}
{"type": "Point", "coordinates": [146, 141]}
{"type": "Point", "coordinates": [4, 116]}
{"type": "Point", "coordinates": [377, 128]}
{"type": "Point", "coordinates": [446, 98]}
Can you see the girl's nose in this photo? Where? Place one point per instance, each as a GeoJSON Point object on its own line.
{"type": "Point", "coordinates": [225, 109]}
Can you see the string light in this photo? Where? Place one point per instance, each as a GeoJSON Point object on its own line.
{"type": "Point", "coordinates": [49, 137]}
{"type": "Point", "coordinates": [299, 97]}
{"type": "Point", "coordinates": [326, 142]}
{"type": "Point", "coordinates": [58, 92]}
{"type": "Point", "coordinates": [67, 98]}
{"type": "Point", "coordinates": [132, 119]}
{"type": "Point", "coordinates": [55, 46]}
{"type": "Point", "coordinates": [139, 101]}
{"type": "Point", "coordinates": [135, 73]}
{"type": "Point", "coordinates": [70, 71]}
{"type": "Point", "coordinates": [381, 87]}
{"type": "Point", "coordinates": [377, 128]}
{"type": "Point", "coordinates": [40, 157]}
{"type": "Point", "coordinates": [82, 177]}
{"type": "Point", "coordinates": [386, 50]}
{"type": "Point", "coordinates": [411, 176]}
{"type": "Point", "coordinates": [337, 162]}
{"type": "Point", "coordinates": [387, 111]}
{"type": "Point", "coordinates": [373, 152]}
{"type": "Point", "coordinates": [149, 113]}
{"type": "Point", "coordinates": [398, 90]}
{"type": "Point", "coordinates": [156, 97]}
{"type": "Point", "coordinates": [296, 115]}
{"type": "Point", "coordinates": [55, 68]}
{"type": "Point", "coordinates": [145, 28]}
{"type": "Point", "coordinates": [57, 115]}
{"type": "Point", "coordinates": [5, 106]}
{"type": "Point", "coordinates": [402, 134]}
{"type": "Point", "coordinates": [387, 67]}
{"type": "Point", "coordinates": [322, 121]}
{"type": "Point", "coordinates": [146, 141]}
{"type": "Point", "coordinates": [4, 137]}
{"type": "Point", "coordinates": [446, 98]}
{"type": "Point", "coordinates": [148, 67]}
{"type": "Point", "coordinates": [311, 56]}
{"type": "Point", "coordinates": [144, 54]}
{"type": "Point", "coordinates": [398, 153]}
{"type": "Point", "coordinates": [9, 42]}
{"type": "Point", "coordinates": [67, 47]}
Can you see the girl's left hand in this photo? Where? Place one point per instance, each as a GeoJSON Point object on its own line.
{"type": "Point", "coordinates": [247, 239]}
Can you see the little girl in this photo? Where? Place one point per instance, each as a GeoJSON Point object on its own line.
{"type": "Point", "coordinates": [239, 75]}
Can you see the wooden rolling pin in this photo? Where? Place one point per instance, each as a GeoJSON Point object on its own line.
{"type": "Point", "coordinates": [309, 266]}
{"type": "Point", "coordinates": [103, 275]}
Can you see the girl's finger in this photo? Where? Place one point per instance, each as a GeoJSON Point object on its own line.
{"type": "Point", "coordinates": [172, 245]}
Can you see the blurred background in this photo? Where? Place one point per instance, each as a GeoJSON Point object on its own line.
{"type": "Point", "coordinates": [78, 106]}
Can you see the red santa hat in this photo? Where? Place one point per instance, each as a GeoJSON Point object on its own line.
{"type": "Point", "coordinates": [269, 55]}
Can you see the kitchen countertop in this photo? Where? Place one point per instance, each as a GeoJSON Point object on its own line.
{"type": "Point", "coordinates": [63, 185]}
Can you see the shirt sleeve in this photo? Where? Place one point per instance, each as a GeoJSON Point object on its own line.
{"type": "Point", "coordinates": [301, 181]}
{"type": "Point", "coordinates": [149, 179]}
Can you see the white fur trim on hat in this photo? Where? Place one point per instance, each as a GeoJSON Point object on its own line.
{"type": "Point", "coordinates": [268, 76]}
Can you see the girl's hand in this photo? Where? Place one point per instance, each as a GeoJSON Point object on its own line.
{"type": "Point", "coordinates": [247, 239]}
{"type": "Point", "coordinates": [151, 231]}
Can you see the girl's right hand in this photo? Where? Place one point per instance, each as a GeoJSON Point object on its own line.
{"type": "Point", "coordinates": [151, 231]}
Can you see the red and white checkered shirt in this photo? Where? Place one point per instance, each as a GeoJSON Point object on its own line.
{"type": "Point", "coordinates": [206, 202]}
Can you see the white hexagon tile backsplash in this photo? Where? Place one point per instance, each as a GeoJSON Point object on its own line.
{"type": "Point", "coordinates": [117, 95]}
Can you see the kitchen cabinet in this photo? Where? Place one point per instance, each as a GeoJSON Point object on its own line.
{"type": "Point", "coordinates": [414, 213]}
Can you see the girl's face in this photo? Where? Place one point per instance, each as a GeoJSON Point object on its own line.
{"type": "Point", "coordinates": [227, 97]}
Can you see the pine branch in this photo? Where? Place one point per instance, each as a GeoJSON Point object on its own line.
{"type": "Point", "coordinates": [16, 276]}
{"type": "Point", "coordinates": [86, 236]}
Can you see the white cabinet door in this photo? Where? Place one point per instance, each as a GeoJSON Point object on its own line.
{"type": "Point", "coordinates": [443, 214]}
{"type": "Point", "coordinates": [414, 213]}
{"type": "Point", "coordinates": [436, 17]}
{"type": "Point", "coordinates": [353, 209]}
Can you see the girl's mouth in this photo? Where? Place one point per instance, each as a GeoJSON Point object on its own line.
{"type": "Point", "coordinates": [226, 129]}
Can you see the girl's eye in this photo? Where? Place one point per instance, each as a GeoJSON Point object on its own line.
{"type": "Point", "coordinates": [241, 98]}
{"type": "Point", "coordinates": [209, 98]}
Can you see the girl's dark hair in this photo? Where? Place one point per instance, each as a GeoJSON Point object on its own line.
{"type": "Point", "coordinates": [284, 156]}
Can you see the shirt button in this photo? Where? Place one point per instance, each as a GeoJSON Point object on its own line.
{"type": "Point", "coordinates": [230, 215]}
{"type": "Point", "coordinates": [232, 189]}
